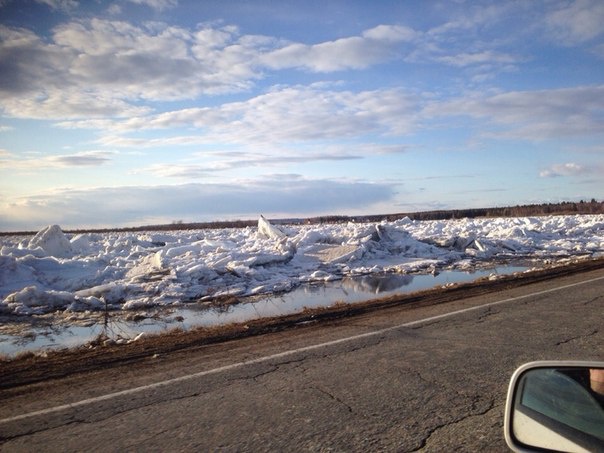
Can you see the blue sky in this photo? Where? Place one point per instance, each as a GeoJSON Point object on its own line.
{"type": "Point", "coordinates": [132, 112]}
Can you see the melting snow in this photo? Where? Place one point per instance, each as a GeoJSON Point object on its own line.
{"type": "Point", "coordinates": [57, 271]}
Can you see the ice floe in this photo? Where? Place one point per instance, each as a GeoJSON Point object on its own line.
{"type": "Point", "coordinates": [57, 271]}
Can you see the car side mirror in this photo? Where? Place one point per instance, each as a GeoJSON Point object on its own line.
{"type": "Point", "coordinates": [556, 406]}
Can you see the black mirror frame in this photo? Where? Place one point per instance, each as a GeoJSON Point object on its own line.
{"type": "Point", "coordinates": [510, 439]}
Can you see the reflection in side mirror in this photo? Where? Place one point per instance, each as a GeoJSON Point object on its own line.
{"type": "Point", "coordinates": [556, 406]}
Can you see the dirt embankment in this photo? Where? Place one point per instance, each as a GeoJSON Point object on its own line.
{"type": "Point", "coordinates": [29, 368]}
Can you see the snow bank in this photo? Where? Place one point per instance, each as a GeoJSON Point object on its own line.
{"type": "Point", "coordinates": [53, 271]}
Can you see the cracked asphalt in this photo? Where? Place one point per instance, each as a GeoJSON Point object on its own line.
{"type": "Point", "coordinates": [438, 385]}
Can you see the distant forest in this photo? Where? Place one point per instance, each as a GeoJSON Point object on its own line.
{"type": "Point", "coordinates": [563, 208]}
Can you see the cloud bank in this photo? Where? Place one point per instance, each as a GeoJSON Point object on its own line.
{"type": "Point", "coordinates": [142, 205]}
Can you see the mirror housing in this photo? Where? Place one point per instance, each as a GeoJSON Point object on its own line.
{"type": "Point", "coordinates": [556, 406]}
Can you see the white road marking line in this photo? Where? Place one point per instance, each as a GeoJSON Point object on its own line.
{"type": "Point", "coordinates": [280, 355]}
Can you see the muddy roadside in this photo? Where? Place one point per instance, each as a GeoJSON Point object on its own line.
{"type": "Point", "coordinates": [34, 367]}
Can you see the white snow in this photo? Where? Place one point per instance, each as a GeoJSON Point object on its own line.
{"type": "Point", "coordinates": [56, 271]}
{"type": "Point", "coordinates": [52, 241]}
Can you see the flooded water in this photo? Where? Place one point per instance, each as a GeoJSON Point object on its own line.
{"type": "Point", "coordinates": [50, 332]}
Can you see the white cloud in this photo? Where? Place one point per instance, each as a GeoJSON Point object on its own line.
{"type": "Point", "coordinates": [391, 33]}
{"type": "Point", "coordinates": [99, 37]}
{"type": "Point", "coordinates": [114, 9]}
{"type": "Point", "coordinates": [86, 124]}
{"type": "Point", "coordinates": [82, 159]}
{"type": "Point", "coordinates": [206, 164]}
{"type": "Point", "coordinates": [95, 68]}
{"type": "Point", "coordinates": [24, 57]}
{"type": "Point", "coordinates": [479, 32]}
{"type": "Point", "coordinates": [145, 205]}
{"type": "Point", "coordinates": [477, 58]}
{"type": "Point", "coordinates": [475, 15]}
{"type": "Point", "coordinates": [101, 68]}
{"type": "Point", "coordinates": [284, 115]}
{"type": "Point", "coordinates": [35, 81]}
{"type": "Point", "coordinates": [533, 115]}
{"type": "Point", "coordinates": [183, 171]}
{"type": "Point", "coordinates": [567, 169]}
{"type": "Point", "coordinates": [120, 141]}
{"type": "Point", "coordinates": [376, 45]}
{"type": "Point", "coordinates": [64, 5]}
{"type": "Point", "coordinates": [55, 103]}
{"type": "Point", "coordinates": [158, 5]}
{"type": "Point", "coordinates": [576, 21]}
{"type": "Point", "coordinates": [470, 40]}
{"type": "Point", "coordinates": [215, 162]}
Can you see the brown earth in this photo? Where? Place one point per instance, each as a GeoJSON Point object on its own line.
{"type": "Point", "coordinates": [30, 367]}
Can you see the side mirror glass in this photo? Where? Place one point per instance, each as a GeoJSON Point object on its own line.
{"type": "Point", "coordinates": [556, 406]}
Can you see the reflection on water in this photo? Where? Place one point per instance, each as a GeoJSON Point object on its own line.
{"type": "Point", "coordinates": [376, 284]}
{"type": "Point", "coordinates": [118, 327]}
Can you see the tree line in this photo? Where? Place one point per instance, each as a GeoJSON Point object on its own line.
{"type": "Point", "coordinates": [562, 208]}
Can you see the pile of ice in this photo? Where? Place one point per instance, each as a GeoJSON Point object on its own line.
{"type": "Point", "coordinates": [55, 271]}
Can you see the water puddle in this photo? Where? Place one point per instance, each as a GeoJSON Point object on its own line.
{"type": "Point", "coordinates": [48, 332]}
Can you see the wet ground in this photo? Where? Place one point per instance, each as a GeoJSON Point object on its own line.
{"type": "Point", "coordinates": [55, 362]}
{"type": "Point", "coordinates": [19, 335]}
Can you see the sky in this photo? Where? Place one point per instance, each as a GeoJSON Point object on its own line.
{"type": "Point", "coordinates": [137, 112]}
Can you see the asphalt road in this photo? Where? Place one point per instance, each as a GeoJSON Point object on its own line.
{"type": "Point", "coordinates": [430, 379]}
